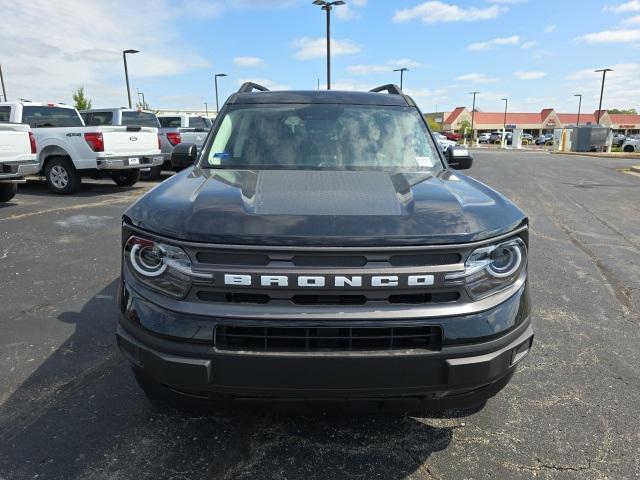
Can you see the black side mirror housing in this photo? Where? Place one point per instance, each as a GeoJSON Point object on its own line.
{"type": "Point", "coordinates": [459, 158]}
{"type": "Point", "coordinates": [184, 155]}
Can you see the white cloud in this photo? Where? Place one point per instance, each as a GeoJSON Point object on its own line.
{"type": "Point", "coordinates": [612, 36]}
{"type": "Point", "coordinates": [308, 48]}
{"type": "Point", "coordinates": [622, 88]}
{"type": "Point", "coordinates": [350, 85]}
{"type": "Point", "coordinates": [476, 78]}
{"type": "Point", "coordinates": [350, 10]}
{"type": "Point", "coordinates": [549, 28]}
{"type": "Point", "coordinates": [436, 11]}
{"type": "Point", "coordinates": [68, 50]}
{"type": "Point", "coordinates": [632, 6]}
{"type": "Point", "coordinates": [633, 20]}
{"type": "Point", "coordinates": [508, 2]}
{"type": "Point", "coordinates": [270, 84]}
{"type": "Point", "coordinates": [529, 75]}
{"type": "Point", "coordinates": [248, 61]}
{"type": "Point", "coordinates": [514, 40]}
{"type": "Point", "coordinates": [530, 44]}
{"type": "Point", "coordinates": [367, 69]}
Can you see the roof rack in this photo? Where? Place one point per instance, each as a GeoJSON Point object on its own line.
{"type": "Point", "coordinates": [248, 87]}
{"type": "Point", "coordinates": [389, 88]}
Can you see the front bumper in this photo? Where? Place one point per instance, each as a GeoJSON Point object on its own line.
{"type": "Point", "coordinates": [18, 170]}
{"type": "Point", "coordinates": [471, 369]}
{"type": "Point", "coordinates": [123, 163]}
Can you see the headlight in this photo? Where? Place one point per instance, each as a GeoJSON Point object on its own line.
{"type": "Point", "coordinates": [491, 269]}
{"type": "Point", "coordinates": [161, 266]}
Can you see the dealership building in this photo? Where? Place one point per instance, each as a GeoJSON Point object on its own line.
{"type": "Point", "coordinates": [544, 121]}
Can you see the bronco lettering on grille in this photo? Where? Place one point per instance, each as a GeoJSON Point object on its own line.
{"type": "Point", "coordinates": [329, 281]}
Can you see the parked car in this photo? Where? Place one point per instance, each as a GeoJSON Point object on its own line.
{"type": "Point", "coordinates": [443, 141]}
{"type": "Point", "coordinates": [495, 137]}
{"type": "Point", "coordinates": [312, 251]}
{"type": "Point", "coordinates": [546, 139]}
{"type": "Point", "coordinates": [484, 137]}
{"type": "Point", "coordinates": [631, 145]}
{"type": "Point", "coordinates": [17, 156]}
{"type": "Point", "coordinates": [176, 129]}
{"type": "Point", "coordinates": [127, 117]}
{"type": "Point", "coordinates": [618, 139]}
{"type": "Point", "coordinates": [456, 137]}
{"type": "Point", "coordinates": [527, 138]}
{"type": "Point", "coordinates": [67, 149]}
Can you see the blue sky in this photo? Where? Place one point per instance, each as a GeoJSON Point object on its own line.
{"type": "Point", "coordinates": [538, 53]}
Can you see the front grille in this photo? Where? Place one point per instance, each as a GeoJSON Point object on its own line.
{"type": "Point", "coordinates": [326, 264]}
{"type": "Point", "coordinates": [326, 339]}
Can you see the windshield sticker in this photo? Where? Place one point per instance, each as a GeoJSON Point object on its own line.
{"type": "Point", "coordinates": [424, 162]}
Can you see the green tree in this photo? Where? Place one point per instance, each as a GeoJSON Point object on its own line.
{"type": "Point", "coordinates": [433, 125]}
{"type": "Point", "coordinates": [628, 111]}
{"type": "Point", "coordinates": [82, 101]}
{"type": "Point", "coordinates": [464, 125]}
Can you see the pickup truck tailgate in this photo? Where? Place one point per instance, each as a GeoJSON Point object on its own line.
{"type": "Point", "coordinates": [14, 142]}
{"type": "Point", "coordinates": [120, 141]}
{"type": "Point", "coordinates": [188, 135]}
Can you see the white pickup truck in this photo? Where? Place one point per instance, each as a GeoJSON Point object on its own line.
{"type": "Point", "coordinates": [67, 149]}
{"type": "Point", "coordinates": [17, 157]}
{"type": "Point", "coordinates": [181, 128]}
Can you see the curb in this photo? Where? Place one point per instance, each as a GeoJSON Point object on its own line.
{"type": "Point", "coordinates": [618, 156]}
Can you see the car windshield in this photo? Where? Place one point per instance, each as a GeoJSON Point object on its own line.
{"type": "Point", "coordinates": [140, 119]}
{"type": "Point", "coordinates": [322, 136]}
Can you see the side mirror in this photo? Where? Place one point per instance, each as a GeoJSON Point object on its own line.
{"type": "Point", "coordinates": [184, 155]}
{"type": "Point", "coordinates": [459, 158]}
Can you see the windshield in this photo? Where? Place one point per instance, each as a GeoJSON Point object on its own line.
{"type": "Point", "coordinates": [322, 136]}
{"type": "Point", "coordinates": [140, 119]}
{"type": "Point", "coordinates": [38, 117]}
{"type": "Point", "coordinates": [170, 122]}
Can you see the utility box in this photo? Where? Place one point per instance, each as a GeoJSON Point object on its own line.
{"type": "Point", "coordinates": [589, 139]}
{"type": "Point", "coordinates": [516, 138]}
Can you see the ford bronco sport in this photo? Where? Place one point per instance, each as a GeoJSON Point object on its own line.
{"type": "Point", "coordinates": [322, 246]}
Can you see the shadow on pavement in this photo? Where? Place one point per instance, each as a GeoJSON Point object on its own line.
{"type": "Point", "coordinates": [81, 415]}
{"type": "Point", "coordinates": [88, 188]}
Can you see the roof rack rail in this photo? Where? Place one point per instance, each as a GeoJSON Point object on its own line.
{"type": "Point", "coordinates": [389, 88]}
{"type": "Point", "coordinates": [248, 87]}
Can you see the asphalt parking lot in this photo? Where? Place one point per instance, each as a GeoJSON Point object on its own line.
{"type": "Point", "coordinates": [70, 409]}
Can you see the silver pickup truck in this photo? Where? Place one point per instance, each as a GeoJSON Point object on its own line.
{"type": "Point", "coordinates": [181, 128]}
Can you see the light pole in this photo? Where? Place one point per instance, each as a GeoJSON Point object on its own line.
{"type": "Point", "coordinates": [144, 102]}
{"type": "Point", "coordinates": [326, 6]}
{"type": "Point", "coordinates": [579, 108]}
{"type": "Point", "coordinates": [215, 80]}
{"type": "Point", "coordinates": [126, 71]}
{"type": "Point", "coordinates": [401, 70]}
{"type": "Point", "coordinates": [473, 115]}
{"type": "Point", "coordinates": [206, 109]}
{"type": "Point", "coordinates": [4, 92]}
{"type": "Point", "coordinates": [604, 74]}
{"type": "Point", "coordinates": [504, 122]}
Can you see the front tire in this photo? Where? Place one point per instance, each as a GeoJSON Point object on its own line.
{"type": "Point", "coordinates": [8, 191]}
{"type": "Point", "coordinates": [152, 174]}
{"type": "Point", "coordinates": [629, 149]}
{"type": "Point", "coordinates": [126, 178]}
{"type": "Point", "coordinates": [62, 177]}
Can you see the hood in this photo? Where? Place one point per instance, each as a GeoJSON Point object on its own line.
{"type": "Point", "coordinates": [324, 208]}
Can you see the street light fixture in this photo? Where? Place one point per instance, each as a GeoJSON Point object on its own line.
{"type": "Point", "coordinates": [473, 115]}
{"type": "Point", "coordinates": [326, 6]}
{"type": "Point", "coordinates": [206, 109]}
{"type": "Point", "coordinates": [579, 108]}
{"type": "Point", "coordinates": [215, 80]}
{"type": "Point", "coordinates": [401, 70]}
{"type": "Point", "coordinates": [126, 71]}
{"type": "Point", "coordinates": [604, 74]}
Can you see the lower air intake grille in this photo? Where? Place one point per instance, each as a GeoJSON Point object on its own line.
{"type": "Point", "coordinates": [326, 339]}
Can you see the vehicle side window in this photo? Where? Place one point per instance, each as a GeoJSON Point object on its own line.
{"type": "Point", "coordinates": [101, 118]}
{"type": "Point", "coordinates": [170, 122]}
{"type": "Point", "coordinates": [40, 117]}
{"type": "Point", "coordinates": [5, 113]}
{"type": "Point", "coordinates": [197, 122]}
{"type": "Point", "coordinates": [86, 117]}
